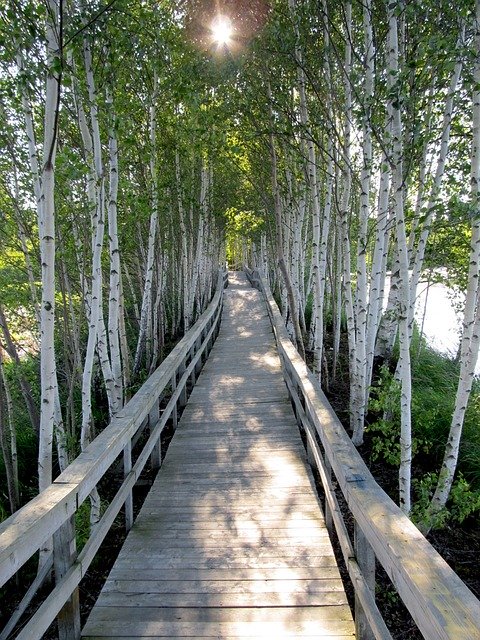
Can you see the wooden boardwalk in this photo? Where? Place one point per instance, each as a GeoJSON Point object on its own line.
{"type": "Point", "coordinates": [231, 541]}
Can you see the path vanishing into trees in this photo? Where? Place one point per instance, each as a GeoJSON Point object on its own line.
{"type": "Point", "coordinates": [231, 541]}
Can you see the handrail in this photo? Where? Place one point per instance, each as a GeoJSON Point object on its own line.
{"type": "Point", "coordinates": [50, 514]}
{"type": "Point", "coordinates": [441, 605]}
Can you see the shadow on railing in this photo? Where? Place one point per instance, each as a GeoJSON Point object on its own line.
{"type": "Point", "coordinates": [441, 605]}
{"type": "Point", "coordinates": [51, 514]}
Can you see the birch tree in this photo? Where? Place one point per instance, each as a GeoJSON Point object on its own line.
{"type": "Point", "coordinates": [470, 340]}
{"type": "Point", "coordinates": [147, 290]}
{"type": "Point", "coordinates": [46, 224]}
{"type": "Point", "coordinates": [396, 162]}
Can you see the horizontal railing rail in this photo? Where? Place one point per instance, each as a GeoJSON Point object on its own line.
{"type": "Point", "coordinates": [441, 605]}
{"type": "Point", "coordinates": [51, 514]}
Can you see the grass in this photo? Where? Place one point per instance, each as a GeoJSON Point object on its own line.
{"type": "Point", "coordinates": [434, 385]}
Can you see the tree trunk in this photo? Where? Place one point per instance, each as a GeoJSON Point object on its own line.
{"type": "Point", "coordinates": [403, 283]}
{"type": "Point", "coordinates": [48, 372]}
{"type": "Point", "coordinates": [147, 289]}
{"type": "Point", "coordinates": [279, 238]}
{"type": "Point", "coordinates": [471, 320]}
{"type": "Point", "coordinates": [8, 441]}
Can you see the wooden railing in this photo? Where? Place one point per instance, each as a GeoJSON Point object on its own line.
{"type": "Point", "coordinates": [439, 602]}
{"type": "Point", "coordinates": [52, 513]}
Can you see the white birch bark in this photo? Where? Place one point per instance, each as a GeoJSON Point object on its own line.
{"type": "Point", "coordinates": [8, 440]}
{"type": "Point", "coordinates": [195, 298]}
{"type": "Point", "coordinates": [437, 183]}
{"type": "Point", "coordinates": [403, 282]}
{"type": "Point", "coordinates": [48, 373]}
{"type": "Point", "coordinates": [290, 297]}
{"type": "Point", "coordinates": [53, 91]}
{"type": "Point", "coordinates": [96, 327]}
{"type": "Point", "coordinates": [378, 271]}
{"type": "Point", "coordinates": [362, 243]}
{"type": "Point", "coordinates": [336, 298]}
{"type": "Point", "coordinates": [147, 289]}
{"type": "Point", "coordinates": [115, 267]}
{"type": "Point", "coordinates": [312, 180]}
{"type": "Point", "coordinates": [423, 174]}
{"type": "Point", "coordinates": [344, 219]}
{"type": "Point", "coordinates": [184, 247]}
{"type": "Point", "coordinates": [122, 334]}
{"type": "Point", "coordinates": [471, 320]}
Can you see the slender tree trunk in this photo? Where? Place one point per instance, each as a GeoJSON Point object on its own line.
{"type": "Point", "coordinates": [471, 320]}
{"type": "Point", "coordinates": [378, 274]}
{"type": "Point", "coordinates": [439, 173]}
{"type": "Point", "coordinates": [184, 244]}
{"type": "Point", "coordinates": [147, 290]}
{"type": "Point", "coordinates": [8, 440]}
{"type": "Point", "coordinates": [48, 372]}
{"type": "Point", "coordinates": [403, 282]}
{"type": "Point", "coordinates": [279, 238]}
{"type": "Point", "coordinates": [362, 243]}
{"type": "Point", "coordinates": [24, 383]}
{"type": "Point", "coordinates": [115, 267]}
{"type": "Point", "coordinates": [345, 223]}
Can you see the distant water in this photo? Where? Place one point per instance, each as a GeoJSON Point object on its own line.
{"type": "Point", "coordinates": [439, 313]}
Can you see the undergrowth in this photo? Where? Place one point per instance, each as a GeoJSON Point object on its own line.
{"type": "Point", "coordinates": [434, 384]}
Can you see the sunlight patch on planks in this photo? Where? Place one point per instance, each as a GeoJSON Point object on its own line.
{"type": "Point", "coordinates": [231, 541]}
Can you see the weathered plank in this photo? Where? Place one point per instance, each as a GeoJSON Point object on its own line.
{"type": "Point", "coordinates": [231, 541]}
{"type": "Point", "coordinates": [440, 603]}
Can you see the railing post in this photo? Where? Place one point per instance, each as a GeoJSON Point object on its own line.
{"type": "Point", "coordinates": [64, 555]}
{"type": "Point", "coordinates": [127, 467]}
{"type": "Point", "coordinates": [192, 377]}
{"type": "Point", "coordinates": [328, 511]}
{"type": "Point", "coordinates": [182, 400]}
{"type": "Point", "coordinates": [153, 418]}
{"type": "Point", "coordinates": [198, 365]}
{"type": "Point", "coordinates": [366, 561]}
{"type": "Point", "coordinates": [174, 410]}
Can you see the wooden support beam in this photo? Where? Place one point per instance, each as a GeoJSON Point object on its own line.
{"type": "Point", "coordinates": [127, 467]}
{"type": "Point", "coordinates": [366, 562]}
{"type": "Point", "coordinates": [153, 418]}
{"type": "Point", "coordinates": [64, 555]}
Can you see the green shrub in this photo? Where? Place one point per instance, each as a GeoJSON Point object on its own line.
{"type": "Point", "coordinates": [434, 386]}
{"type": "Point", "coordinates": [463, 502]}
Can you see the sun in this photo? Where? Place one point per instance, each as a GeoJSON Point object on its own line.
{"type": "Point", "coordinates": [222, 30]}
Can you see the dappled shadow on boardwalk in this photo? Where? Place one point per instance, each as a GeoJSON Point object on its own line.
{"type": "Point", "coordinates": [231, 541]}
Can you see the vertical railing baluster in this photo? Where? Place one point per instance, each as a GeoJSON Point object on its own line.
{"type": "Point", "coordinates": [174, 410]}
{"type": "Point", "coordinates": [153, 418]}
{"type": "Point", "coordinates": [366, 561]}
{"type": "Point", "coordinates": [127, 467]}
{"type": "Point", "coordinates": [198, 365]}
{"type": "Point", "coordinates": [328, 511]}
{"type": "Point", "coordinates": [182, 400]}
{"type": "Point", "coordinates": [64, 555]}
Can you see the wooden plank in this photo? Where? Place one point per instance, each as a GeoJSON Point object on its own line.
{"type": "Point", "coordinates": [275, 622]}
{"type": "Point", "coordinates": [230, 541]}
{"type": "Point", "coordinates": [271, 527]}
{"type": "Point", "coordinates": [221, 481]}
{"type": "Point", "coordinates": [226, 575]}
{"type": "Point", "coordinates": [226, 599]}
{"type": "Point", "coordinates": [439, 602]}
{"type": "Point", "coordinates": [141, 562]}
{"type": "Point", "coordinates": [219, 538]}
